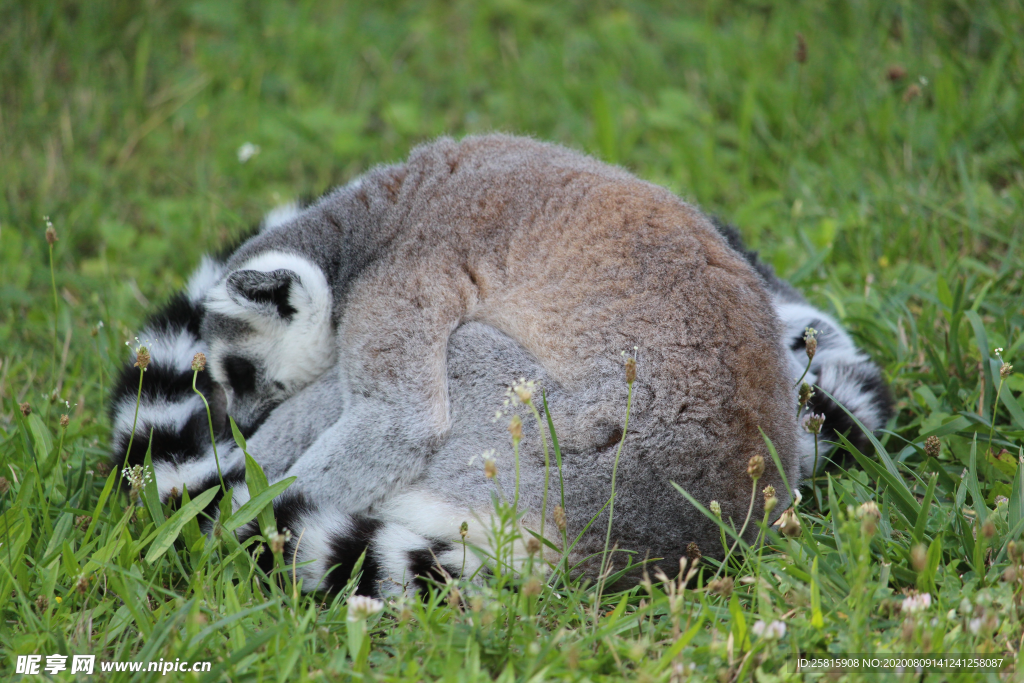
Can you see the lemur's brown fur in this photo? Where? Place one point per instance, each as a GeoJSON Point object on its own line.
{"type": "Point", "coordinates": [576, 261]}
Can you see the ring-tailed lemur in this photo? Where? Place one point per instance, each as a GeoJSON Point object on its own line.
{"type": "Point", "coordinates": [446, 278]}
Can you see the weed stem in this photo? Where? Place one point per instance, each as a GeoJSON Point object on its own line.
{"type": "Point", "coordinates": [135, 420]}
{"type": "Point", "coordinates": [213, 438]}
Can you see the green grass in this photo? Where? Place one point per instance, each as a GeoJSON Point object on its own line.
{"type": "Point", "coordinates": [895, 203]}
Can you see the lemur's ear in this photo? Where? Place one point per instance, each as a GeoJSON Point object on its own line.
{"type": "Point", "coordinates": [264, 290]}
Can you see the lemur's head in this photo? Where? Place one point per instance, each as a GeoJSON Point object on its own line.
{"type": "Point", "coordinates": [269, 330]}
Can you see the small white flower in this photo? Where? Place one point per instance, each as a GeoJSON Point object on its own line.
{"type": "Point", "coordinates": [974, 625]}
{"type": "Point", "coordinates": [361, 607]}
{"type": "Point", "coordinates": [247, 151]}
{"type": "Point", "coordinates": [916, 603]}
{"type": "Point", "coordinates": [772, 631]}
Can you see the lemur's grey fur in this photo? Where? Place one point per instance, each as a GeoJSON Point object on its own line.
{"type": "Point", "coordinates": [268, 316]}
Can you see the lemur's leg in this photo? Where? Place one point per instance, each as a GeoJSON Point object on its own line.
{"type": "Point", "coordinates": [394, 393]}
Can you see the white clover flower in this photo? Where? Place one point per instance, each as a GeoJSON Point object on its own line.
{"type": "Point", "coordinates": [974, 625]}
{"type": "Point", "coordinates": [361, 607]}
{"type": "Point", "coordinates": [916, 603]}
{"type": "Point", "coordinates": [247, 151]}
{"type": "Point", "coordinates": [772, 631]}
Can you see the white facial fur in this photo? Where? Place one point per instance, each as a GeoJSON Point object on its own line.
{"type": "Point", "coordinates": [293, 351]}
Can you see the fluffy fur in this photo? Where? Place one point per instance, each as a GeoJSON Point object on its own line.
{"type": "Point", "coordinates": [363, 343]}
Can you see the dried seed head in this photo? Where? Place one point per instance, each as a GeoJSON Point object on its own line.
{"type": "Point", "coordinates": [42, 603]}
{"type": "Point", "coordinates": [82, 585]}
{"type": "Point", "coordinates": [869, 510]}
{"type": "Point", "coordinates": [806, 392]}
{"type": "Point", "coordinates": [1015, 551]}
{"type": "Point", "coordinates": [988, 529]}
{"type": "Point", "coordinates": [1010, 574]}
{"type": "Point", "coordinates": [932, 447]}
{"type": "Point", "coordinates": [5, 485]}
{"type": "Point", "coordinates": [524, 394]}
{"type": "Point", "coordinates": [693, 553]}
{"type": "Point", "coordinates": [559, 516]}
{"type": "Point", "coordinates": [515, 427]}
{"type": "Point", "coordinates": [801, 49]}
{"type": "Point", "coordinates": [912, 92]}
{"type": "Point", "coordinates": [199, 362]}
{"type": "Point", "coordinates": [896, 72]}
{"type": "Point", "coordinates": [716, 508]}
{"type": "Point", "coordinates": [464, 530]}
{"type": "Point", "coordinates": [51, 234]}
{"type": "Point", "coordinates": [810, 342]}
{"type": "Point", "coordinates": [755, 467]}
{"type": "Point", "coordinates": [813, 423]}
{"type": "Point", "coordinates": [789, 524]}
{"type": "Point", "coordinates": [532, 546]}
{"type": "Point", "coordinates": [532, 587]}
{"type": "Point", "coordinates": [82, 522]}
{"type": "Point", "coordinates": [490, 468]}
{"type": "Point", "coordinates": [919, 557]}
{"type": "Point", "coordinates": [26, 409]}
{"type": "Point", "coordinates": [1005, 370]}
{"type": "Point", "coordinates": [630, 370]}
{"type": "Point", "coordinates": [142, 357]}
{"type": "Point", "coordinates": [64, 421]}
{"type": "Point", "coordinates": [278, 539]}
{"type": "Point", "coordinates": [768, 491]}
{"type": "Point", "coordinates": [722, 586]}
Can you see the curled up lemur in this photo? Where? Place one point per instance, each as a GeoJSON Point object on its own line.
{"type": "Point", "coordinates": [364, 343]}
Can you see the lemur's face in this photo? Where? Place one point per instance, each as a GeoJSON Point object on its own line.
{"type": "Point", "coordinates": [268, 326]}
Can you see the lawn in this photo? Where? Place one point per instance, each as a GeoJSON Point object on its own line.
{"type": "Point", "coordinates": [873, 152]}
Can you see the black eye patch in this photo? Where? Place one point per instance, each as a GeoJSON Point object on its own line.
{"type": "Point", "coordinates": [241, 374]}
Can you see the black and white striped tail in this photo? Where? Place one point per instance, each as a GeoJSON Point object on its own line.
{"type": "Point", "coordinates": [167, 407]}
{"type": "Point", "coordinates": [838, 367]}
